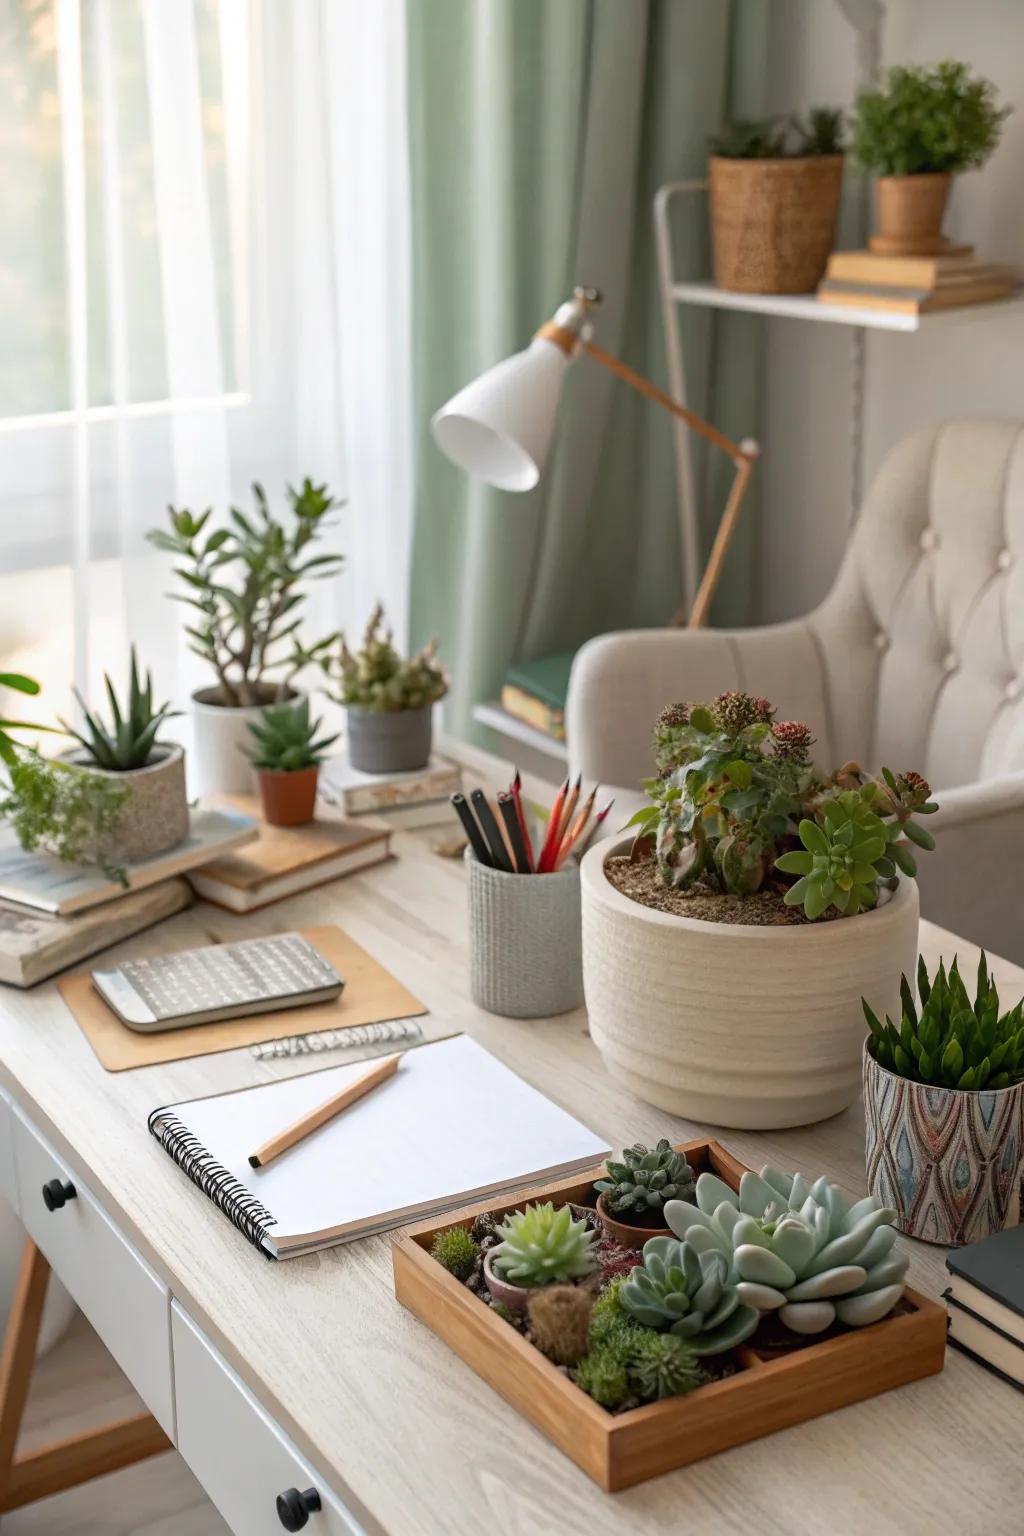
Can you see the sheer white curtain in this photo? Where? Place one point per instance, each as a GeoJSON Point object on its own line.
{"type": "Point", "coordinates": [204, 281]}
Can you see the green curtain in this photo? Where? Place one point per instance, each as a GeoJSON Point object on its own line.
{"type": "Point", "coordinates": [539, 132]}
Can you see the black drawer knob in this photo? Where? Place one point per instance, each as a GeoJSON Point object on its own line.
{"type": "Point", "coordinates": [294, 1508]}
{"type": "Point", "coordinates": [57, 1193]}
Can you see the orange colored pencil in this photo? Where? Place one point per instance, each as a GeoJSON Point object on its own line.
{"type": "Point", "coordinates": [553, 835]}
{"type": "Point", "coordinates": [517, 796]}
{"type": "Point", "coordinates": [573, 835]}
{"type": "Point", "coordinates": [595, 829]}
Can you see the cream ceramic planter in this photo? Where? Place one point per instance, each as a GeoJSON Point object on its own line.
{"type": "Point", "coordinates": [754, 1028]}
{"type": "Point", "coordinates": [219, 765]}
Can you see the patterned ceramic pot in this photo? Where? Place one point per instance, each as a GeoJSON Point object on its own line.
{"type": "Point", "coordinates": [948, 1162]}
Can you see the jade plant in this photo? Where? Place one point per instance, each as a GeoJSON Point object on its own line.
{"type": "Point", "coordinates": [922, 119]}
{"type": "Point", "coordinates": [542, 1244]}
{"type": "Point", "coordinates": [775, 138]}
{"type": "Point", "coordinates": [688, 1293]}
{"type": "Point", "coordinates": [801, 1251]}
{"type": "Point", "coordinates": [951, 1042]}
{"type": "Point", "coordinates": [128, 741]}
{"type": "Point", "coordinates": [285, 739]}
{"type": "Point", "coordinates": [645, 1179]}
{"type": "Point", "coordinates": [245, 581]}
{"type": "Point", "coordinates": [377, 678]}
{"type": "Point", "coordinates": [738, 801]}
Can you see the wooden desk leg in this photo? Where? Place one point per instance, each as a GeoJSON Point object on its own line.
{"type": "Point", "coordinates": [68, 1462]}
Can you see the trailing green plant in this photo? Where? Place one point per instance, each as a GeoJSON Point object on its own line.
{"type": "Point", "coordinates": [688, 1293]}
{"type": "Point", "coordinates": [542, 1244]}
{"type": "Point", "coordinates": [951, 1042]}
{"type": "Point", "coordinates": [645, 1179]}
{"type": "Point", "coordinates": [927, 119]}
{"type": "Point", "coordinates": [738, 797]}
{"type": "Point", "coordinates": [285, 739]}
{"type": "Point", "coordinates": [21, 684]}
{"type": "Point", "coordinates": [245, 581]}
{"type": "Point", "coordinates": [62, 809]}
{"type": "Point", "coordinates": [799, 1250]}
{"type": "Point", "coordinates": [777, 138]}
{"type": "Point", "coordinates": [559, 1317]}
{"type": "Point", "coordinates": [129, 740]}
{"type": "Point", "coordinates": [457, 1251]}
{"type": "Point", "coordinates": [661, 1365]}
{"type": "Point", "coordinates": [378, 679]}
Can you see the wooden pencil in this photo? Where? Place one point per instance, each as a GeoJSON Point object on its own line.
{"type": "Point", "coordinates": [517, 795]}
{"type": "Point", "coordinates": [315, 1118]}
{"type": "Point", "coordinates": [507, 807]}
{"type": "Point", "coordinates": [595, 829]}
{"type": "Point", "coordinates": [575, 832]}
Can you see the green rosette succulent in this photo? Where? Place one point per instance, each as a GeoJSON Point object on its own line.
{"type": "Point", "coordinates": [681, 1291]}
{"type": "Point", "coordinates": [796, 1249]}
{"type": "Point", "coordinates": [541, 1245]}
{"type": "Point", "coordinates": [645, 1179]}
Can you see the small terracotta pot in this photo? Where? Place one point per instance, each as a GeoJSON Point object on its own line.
{"type": "Point", "coordinates": [626, 1233]}
{"type": "Point", "coordinates": [515, 1297]}
{"type": "Point", "coordinates": [289, 799]}
{"type": "Point", "coordinates": [910, 214]}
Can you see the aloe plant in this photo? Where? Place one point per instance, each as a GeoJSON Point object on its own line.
{"type": "Point", "coordinates": [285, 739]}
{"type": "Point", "coordinates": [129, 740]}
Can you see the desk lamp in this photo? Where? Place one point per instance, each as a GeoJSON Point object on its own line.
{"type": "Point", "coordinates": [500, 426]}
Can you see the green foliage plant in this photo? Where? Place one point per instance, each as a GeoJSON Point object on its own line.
{"type": "Point", "coordinates": [688, 1293]}
{"type": "Point", "coordinates": [737, 797]}
{"type": "Point", "coordinates": [21, 684]}
{"type": "Point", "coordinates": [626, 1361]}
{"type": "Point", "coordinates": [129, 740]}
{"type": "Point", "coordinates": [778, 138]}
{"type": "Point", "coordinates": [927, 119]}
{"type": "Point", "coordinates": [456, 1251]}
{"type": "Point", "coordinates": [951, 1042]}
{"type": "Point", "coordinates": [796, 1249]}
{"type": "Point", "coordinates": [645, 1179]}
{"type": "Point", "coordinates": [542, 1244]}
{"type": "Point", "coordinates": [378, 679]}
{"type": "Point", "coordinates": [603, 1374]}
{"type": "Point", "coordinates": [285, 739]}
{"type": "Point", "coordinates": [245, 582]}
{"type": "Point", "coordinates": [62, 809]}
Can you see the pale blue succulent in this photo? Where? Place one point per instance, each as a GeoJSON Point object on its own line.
{"type": "Point", "coordinates": [796, 1249]}
{"type": "Point", "coordinates": [680, 1291]}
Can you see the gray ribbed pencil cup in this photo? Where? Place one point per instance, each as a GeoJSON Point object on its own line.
{"type": "Point", "coordinates": [525, 947]}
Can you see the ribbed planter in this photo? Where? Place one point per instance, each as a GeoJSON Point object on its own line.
{"type": "Point", "coordinates": [726, 1024]}
{"type": "Point", "coordinates": [389, 740]}
{"type": "Point", "coordinates": [219, 765]}
{"type": "Point", "coordinates": [773, 222]}
{"type": "Point", "coordinates": [155, 815]}
{"type": "Point", "coordinates": [524, 941]}
{"type": "Point", "coordinates": [948, 1162]}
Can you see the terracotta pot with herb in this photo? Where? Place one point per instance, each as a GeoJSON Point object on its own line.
{"type": "Point", "coordinates": [286, 756]}
{"type": "Point", "coordinates": [914, 134]}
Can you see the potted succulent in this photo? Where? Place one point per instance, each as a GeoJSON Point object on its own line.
{"type": "Point", "coordinates": [287, 755]}
{"type": "Point", "coordinates": [914, 133]}
{"type": "Point", "coordinates": [540, 1245]}
{"type": "Point", "coordinates": [774, 190]}
{"type": "Point", "coordinates": [944, 1108]}
{"type": "Point", "coordinates": [127, 752]}
{"type": "Point", "coordinates": [245, 582]}
{"type": "Point", "coordinates": [388, 700]}
{"type": "Point", "coordinates": [632, 1196]}
{"type": "Point", "coordinates": [719, 986]}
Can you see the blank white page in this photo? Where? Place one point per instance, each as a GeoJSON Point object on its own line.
{"type": "Point", "coordinates": [452, 1122]}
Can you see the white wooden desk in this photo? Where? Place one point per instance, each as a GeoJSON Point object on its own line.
{"type": "Point", "coordinates": [339, 1380]}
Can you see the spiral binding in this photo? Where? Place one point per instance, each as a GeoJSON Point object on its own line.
{"type": "Point", "coordinates": [249, 1215]}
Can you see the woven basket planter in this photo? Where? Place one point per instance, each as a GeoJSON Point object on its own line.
{"type": "Point", "coordinates": [773, 222]}
{"type": "Point", "coordinates": [729, 1024]}
{"type": "Point", "coordinates": [948, 1162]}
{"type": "Point", "coordinates": [524, 941]}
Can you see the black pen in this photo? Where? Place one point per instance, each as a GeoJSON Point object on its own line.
{"type": "Point", "coordinates": [507, 807]}
{"type": "Point", "coordinates": [476, 837]}
{"type": "Point", "coordinates": [492, 832]}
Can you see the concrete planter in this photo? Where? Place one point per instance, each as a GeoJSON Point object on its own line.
{"type": "Point", "coordinates": [948, 1162]}
{"type": "Point", "coordinates": [754, 1028]}
{"type": "Point", "coordinates": [155, 815]}
{"type": "Point", "coordinates": [389, 740]}
{"type": "Point", "coordinates": [524, 941]}
{"type": "Point", "coordinates": [219, 763]}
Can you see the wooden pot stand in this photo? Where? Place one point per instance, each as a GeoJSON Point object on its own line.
{"type": "Point", "coordinates": [78, 1458]}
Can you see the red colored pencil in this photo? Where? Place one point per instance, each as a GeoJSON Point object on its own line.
{"type": "Point", "coordinates": [517, 796]}
{"type": "Point", "coordinates": [595, 829]}
{"type": "Point", "coordinates": [574, 833]}
{"type": "Point", "coordinates": [553, 836]}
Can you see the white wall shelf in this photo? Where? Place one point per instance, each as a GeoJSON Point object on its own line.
{"type": "Point", "coordinates": [517, 730]}
{"type": "Point", "coordinates": [806, 306]}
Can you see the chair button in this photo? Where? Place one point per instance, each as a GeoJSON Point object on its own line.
{"type": "Point", "coordinates": [1012, 690]}
{"type": "Point", "coordinates": [929, 539]}
{"type": "Point", "coordinates": [881, 641]}
{"type": "Point", "coordinates": [1004, 560]}
{"type": "Point", "coordinates": [950, 662]}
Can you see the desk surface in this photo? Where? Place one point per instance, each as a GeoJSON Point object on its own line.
{"type": "Point", "coordinates": [402, 1430]}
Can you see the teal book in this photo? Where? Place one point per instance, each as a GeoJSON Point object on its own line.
{"type": "Point", "coordinates": [535, 692]}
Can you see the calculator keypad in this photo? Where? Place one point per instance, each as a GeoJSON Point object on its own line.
{"type": "Point", "coordinates": [228, 975]}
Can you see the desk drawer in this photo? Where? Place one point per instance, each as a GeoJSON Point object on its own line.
{"type": "Point", "coordinates": [115, 1288]}
{"type": "Point", "coordinates": [235, 1449]}
{"type": "Point", "coordinates": [8, 1182]}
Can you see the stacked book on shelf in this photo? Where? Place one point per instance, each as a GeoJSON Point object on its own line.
{"type": "Point", "coordinates": [985, 1298]}
{"type": "Point", "coordinates": [398, 801]}
{"type": "Point", "coordinates": [914, 285]}
{"type": "Point", "coordinates": [535, 693]}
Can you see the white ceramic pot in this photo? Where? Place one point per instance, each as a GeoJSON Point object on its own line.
{"type": "Point", "coordinates": [155, 816]}
{"type": "Point", "coordinates": [219, 765]}
{"type": "Point", "coordinates": [59, 1308]}
{"type": "Point", "coordinates": [749, 1027]}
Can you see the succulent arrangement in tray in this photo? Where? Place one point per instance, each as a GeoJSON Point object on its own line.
{"type": "Point", "coordinates": [774, 1264]}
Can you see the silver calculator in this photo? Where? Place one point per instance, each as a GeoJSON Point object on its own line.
{"type": "Point", "coordinates": [219, 981]}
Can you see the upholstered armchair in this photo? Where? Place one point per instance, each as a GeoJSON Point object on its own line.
{"type": "Point", "coordinates": [914, 660]}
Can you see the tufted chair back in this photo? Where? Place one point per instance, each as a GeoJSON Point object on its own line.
{"type": "Point", "coordinates": [922, 636]}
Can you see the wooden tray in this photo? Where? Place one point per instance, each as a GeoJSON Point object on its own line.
{"type": "Point", "coordinates": [618, 1450]}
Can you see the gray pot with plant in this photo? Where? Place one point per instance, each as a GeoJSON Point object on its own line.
{"type": "Point", "coordinates": [388, 699]}
{"type": "Point", "coordinates": [245, 583]}
{"type": "Point", "coordinates": [914, 133]}
{"type": "Point", "coordinates": [286, 753]}
{"type": "Point", "coordinates": [944, 1108]}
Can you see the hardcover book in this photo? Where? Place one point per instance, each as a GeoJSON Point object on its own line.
{"type": "Point", "coordinates": [34, 946]}
{"type": "Point", "coordinates": [354, 792]}
{"type": "Point", "coordinates": [986, 1302]}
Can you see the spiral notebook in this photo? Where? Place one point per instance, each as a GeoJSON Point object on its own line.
{"type": "Point", "coordinates": [452, 1125]}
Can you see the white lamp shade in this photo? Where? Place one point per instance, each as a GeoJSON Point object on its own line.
{"type": "Point", "coordinates": [500, 426]}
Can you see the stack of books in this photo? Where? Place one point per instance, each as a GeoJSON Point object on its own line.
{"type": "Point", "coordinates": [985, 1299]}
{"type": "Point", "coordinates": [914, 285]}
{"type": "Point", "coordinates": [399, 801]}
{"type": "Point", "coordinates": [535, 692]}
